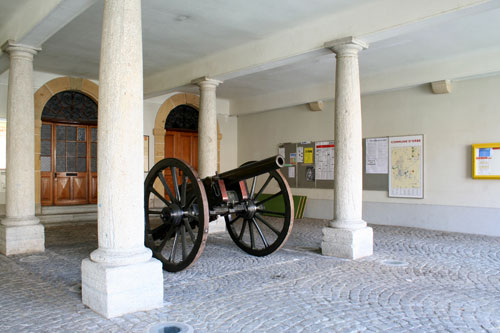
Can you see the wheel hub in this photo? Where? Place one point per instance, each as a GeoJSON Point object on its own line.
{"type": "Point", "coordinates": [172, 214]}
{"type": "Point", "coordinates": [250, 210]}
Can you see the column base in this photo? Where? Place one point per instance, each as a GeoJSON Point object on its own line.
{"type": "Point", "coordinates": [23, 239]}
{"type": "Point", "coordinates": [347, 244]}
{"type": "Point", "coordinates": [217, 226]}
{"type": "Point", "coordinates": [113, 291]}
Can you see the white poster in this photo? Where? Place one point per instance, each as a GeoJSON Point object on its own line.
{"type": "Point", "coordinates": [281, 151]}
{"type": "Point", "coordinates": [406, 158]}
{"type": "Point", "coordinates": [324, 160]}
{"type": "Point", "coordinates": [377, 159]}
{"type": "Point", "coordinates": [487, 161]}
{"type": "Point", "coordinates": [291, 172]}
{"type": "Point", "coordinates": [300, 154]}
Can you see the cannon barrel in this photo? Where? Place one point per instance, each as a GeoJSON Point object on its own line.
{"type": "Point", "coordinates": [252, 169]}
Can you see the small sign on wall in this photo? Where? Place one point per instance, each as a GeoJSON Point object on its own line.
{"type": "Point", "coordinates": [486, 161]}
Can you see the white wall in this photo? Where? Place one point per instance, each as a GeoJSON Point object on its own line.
{"type": "Point", "coordinates": [450, 124]}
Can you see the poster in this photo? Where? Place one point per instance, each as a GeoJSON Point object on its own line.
{"type": "Point", "coordinates": [377, 159]}
{"type": "Point", "coordinates": [406, 176]}
{"type": "Point", "coordinates": [281, 151]}
{"type": "Point", "coordinates": [293, 158]}
{"type": "Point", "coordinates": [308, 155]}
{"type": "Point", "coordinates": [291, 172]}
{"type": "Point", "coordinates": [486, 160]}
{"type": "Point", "coordinates": [324, 160]}
{"type": "Point", "coordinates": [300, 154]}
{"type": "Point", "coordinates": [310, 174]}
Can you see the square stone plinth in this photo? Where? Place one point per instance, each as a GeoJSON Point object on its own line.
{"type": "Point", "coordinates": [347, 244]}
{"type": "Point", "coordinates": [117, 290]}
{"type": "Point", "coordinates": [217, 226]}
{"type": "Point", "coordinates": [22, 239]}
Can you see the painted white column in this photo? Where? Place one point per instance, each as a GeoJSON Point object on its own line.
{"type": "Point", "coordinates": [207, 127]}
{"type": "Point", "coordinates": [20, 230]}
{"type": "Point", "coordinates": [121, 276]}
{"type": "Point", "coordinates": [348, 235]}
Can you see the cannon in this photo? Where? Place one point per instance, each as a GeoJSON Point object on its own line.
{"type": "Point", "coordinates": [255, 200]}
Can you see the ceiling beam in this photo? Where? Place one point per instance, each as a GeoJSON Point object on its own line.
{"type": "Point", "coordinates": [305, 41]}
{"type": "Point", "coordinates": [35, 21]}
{"type": "Point", "coordinates": [473, 64]}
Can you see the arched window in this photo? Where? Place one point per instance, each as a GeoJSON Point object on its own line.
{"type": "Point", "coordinates": [70, 107]}
{"type": "Point", "coordinates": [183, 117]}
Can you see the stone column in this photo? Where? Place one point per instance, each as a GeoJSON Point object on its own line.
{"type": "Point", "coordinates": [207, 127]}
{"type": "Point", "coordinates": [121, 276]}
{"type": "Point", "coordinates": [207, 137]}
{"type": "Point", "coordinates": [20, 230]}
{"type": "Point", "coordinates": [348, 235]}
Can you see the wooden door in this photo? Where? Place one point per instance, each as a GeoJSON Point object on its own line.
{"type": "Point", "coordinates": [68, 164]}
{"type": "Point", "coordinates": [182, 145]}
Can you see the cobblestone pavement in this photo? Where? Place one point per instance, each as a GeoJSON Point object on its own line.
{"type": "Point", "coordinates": [416, 281]}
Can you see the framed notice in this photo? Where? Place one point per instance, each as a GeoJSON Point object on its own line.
{"type": "Point", "coordinates": [377, 161]}
{"type": "Point", "coordinates": [486, 161]}
{"type": "Point", "coordinates": [146, 153]}
{"type": "Point", "coordinates": [406, 163]}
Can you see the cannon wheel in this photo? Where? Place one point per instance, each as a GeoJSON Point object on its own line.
{"type": "Point", "coordinates": [177, 230]}
{"type": "Point", "coordinates": [260, 231]}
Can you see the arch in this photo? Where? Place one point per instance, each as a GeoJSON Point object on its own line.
{"type": "Point", "coordinates": [161, 116]}
{"type": "Point", "coordinates": [42, 96]}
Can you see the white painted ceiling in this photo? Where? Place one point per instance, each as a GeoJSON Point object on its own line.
{"type": "Point", "coordinates": [443, 40]}
{"type": "Point", "coordinates": [180, 31]}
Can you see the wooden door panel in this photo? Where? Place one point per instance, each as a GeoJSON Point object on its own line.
{"type": "Point", "coordinates": [93, 189]}
{"type": "Point", "coordinates": [194, 149]}
{"type": "Point", "coordinates": [62, 190]}
{"type": "Point", "coordinates": [80, 189]}
{"type": "Point", "coordinates": [169, 144]}
{"type": "Point", "coordinates": [46, 189]}
{"type": "Point", "coordinates": [184, 148]}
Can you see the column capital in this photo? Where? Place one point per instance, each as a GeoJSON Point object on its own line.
{"type": "Point", "coordinates": [346, 45]}
{"type": "Point", "coordinates": [12, 48]}
{"type": "Point", "coordinates": [205, 81]}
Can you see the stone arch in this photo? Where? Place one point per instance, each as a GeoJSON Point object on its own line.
{"type": "Point", "coordinates": [161, 116]}
{"type": "Point", "coordinates": [42, 96]}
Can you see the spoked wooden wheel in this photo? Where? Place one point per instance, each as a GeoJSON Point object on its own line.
{"type": "Point", "coordinates": [176, 214]}
{"type": "Point", "coordinates": [267, 222]}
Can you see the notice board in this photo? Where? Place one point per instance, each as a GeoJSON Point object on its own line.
{"type": "Point", "coordinates": [306, 177]}
{"type": "Point", "coordinates": [486, 161]}
{"type": "Point", "coordinates": [376, 164]}
{"type": "Point", "coordinates": [311, 163]}
{"type": "Point", "coordinates": [289, 171]}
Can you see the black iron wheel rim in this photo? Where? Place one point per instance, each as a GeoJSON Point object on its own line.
{"type": "Point", "coordinates": [248, 231]}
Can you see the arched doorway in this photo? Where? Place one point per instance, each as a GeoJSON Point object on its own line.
{"type": "Point", "coordinates": [159, 130]}
{"type": "Point", "coordinates": [181, 137]}
{"type": "Point", "coordinates": [68, 150]}
{"type": "Point", "coordinates": [42, 96]}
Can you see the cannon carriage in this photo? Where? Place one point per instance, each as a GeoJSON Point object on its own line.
{"type": "Point", "coordinates": [179, 206]}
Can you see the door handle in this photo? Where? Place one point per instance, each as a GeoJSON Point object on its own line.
{"type": "Point", "coordinates": [69, 174]}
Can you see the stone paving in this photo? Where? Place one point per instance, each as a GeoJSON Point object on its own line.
{"type": "Point", "coordinates": [416, 281]}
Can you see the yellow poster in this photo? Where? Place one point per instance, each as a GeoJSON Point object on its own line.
{"type": "Point", "coordinates": [308, 155]}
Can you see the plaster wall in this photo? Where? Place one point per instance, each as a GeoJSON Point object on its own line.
{"type": "Point", "coordinates": [453, 201]}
